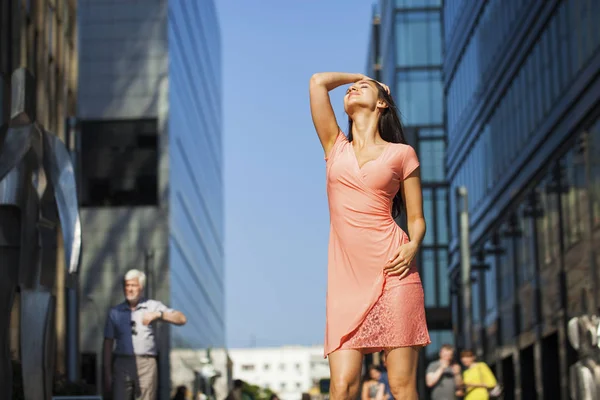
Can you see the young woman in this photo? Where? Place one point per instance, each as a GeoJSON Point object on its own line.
{"type": "Point", "coordinates": [374, 293]}
{"type": "Point", "coordinates": [478, 378]}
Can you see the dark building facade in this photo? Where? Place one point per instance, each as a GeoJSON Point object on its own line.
{"type": "Point", "coordinates": [405, 52]}
{"type": "Point", "coordinates": [522, 88]}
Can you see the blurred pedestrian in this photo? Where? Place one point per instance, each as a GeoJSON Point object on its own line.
{"type": "Point", "coordinates": [478, 378]}
{"type": "Point", "coordinates": [181, 393]}
{"type": "Point", "coordinates": [130, 370]}
{"type": "Point", "coordinates": [236, 392]}
{"type": "Point", "coordinates": [443, 376]}
{"type": "Point", "coordinates": [373, 388]}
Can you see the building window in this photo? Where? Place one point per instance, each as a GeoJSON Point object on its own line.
{"type": "Point", "coordinates": [282, 367]}
{"type": "Point", "coordinates": [441, 221]}
{"type": "Point", "coordinates": [119, 163]}
{"type": "Point", "coordinates": [573, 195]}
{"type": "Point", "coordinates": [418, 3]}
{"type": "Point", "coordinates": [298, 367]}
{"type": "Point", "coordinates": [429, 272]}
{"type": "Point", "coordinates": [418, 38]}
{"type": "Point", "coordinates": [476, 299]}
{"type": "Point", "coordinates": [420, 97]}
{"type": "Point", "coordinates": [267, 367]}
{"type": "Point", "coordinates": [507, 262]}
{"type": "Point", "coordinates": [428, 203]}
{"type": "Point", "coordinates": [526, 268]}
{"type": "Point", "coordinates": [247, 367]}
{"type": "Point", "coordinates": [444, 284]}
{"type": "Point", "coordinates": [433, 154]}
{"type": "Point", "coordinates": [491, 280]}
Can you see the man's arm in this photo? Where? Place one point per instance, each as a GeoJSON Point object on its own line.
{"type": "Point", "coordinates": [174, 317]}
{"type": "Point", "coordinates": [166, 314]}
{"type": "Point", "coordinates": [432, 378]}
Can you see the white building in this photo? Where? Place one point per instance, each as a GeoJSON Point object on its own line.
{"type": "Point", "coordinates": [288, 371]}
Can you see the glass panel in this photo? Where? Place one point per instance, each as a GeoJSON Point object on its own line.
{"type": "Point", "coordinates": [433, 132]}
{"type": "Point", "coordinates": [574, 196]}
{"type": "Point", "coordinates": [444, 294]}
{"type": "Point", "coordinates": [418, 39]}
{"type": "Point", "coordinates": [432, 154]}
{"type": "Point", "coordinates": [506, 264]}
{"type": "Point", "coordinates": [428, 271]}
{"type": "Point", "coordinates": [476, 300]}
{"type": "Point", "coordinates": [524, 241]}
{"type": "Point", "coordinates": [418, 3]}
{"type": "Point", "coordinates": [442, 216]}
{"type": "Point", "coordinates": [428, 214]}
{"type": "Point", "coordinates": [491, 282]}
{"type": "Point", "coordinates": [565, 48]}
{"type": "Point", "coordinates": [420, 97]}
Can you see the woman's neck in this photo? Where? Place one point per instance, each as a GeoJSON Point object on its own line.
{"type": "Point", "coordinates": [364, 129]}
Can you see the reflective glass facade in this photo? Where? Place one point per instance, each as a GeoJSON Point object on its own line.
{"type": "Point", "coordinates": [523, 100]}
{"type": "Point", "coordinates": [196, 173]}
{"type": "Point", "coordinates": [408, 58]}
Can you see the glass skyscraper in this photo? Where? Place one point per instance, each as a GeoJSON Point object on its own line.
{"type": "Point", "coordinates": [151, 162]}
{"type": "Point", "coordinates": [522, 88]}
{"type": "Point", "coordinates": [406, 54]}
{"type": "Point", "coordinates": [196, 173]}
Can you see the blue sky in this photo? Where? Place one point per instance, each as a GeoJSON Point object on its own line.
{"type": "Point", "coordinates": [276, 207]}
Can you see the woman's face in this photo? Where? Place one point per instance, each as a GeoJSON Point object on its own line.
{"type": "Point", "coordinates": [467, 361]}
{"type": "Point", "coordinates": [362, 94]}
{"type": "Point", "coordinates": [375, 374]}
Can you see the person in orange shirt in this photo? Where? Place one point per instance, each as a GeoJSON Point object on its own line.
{"type": "Point", "coordinates": [478, 378]}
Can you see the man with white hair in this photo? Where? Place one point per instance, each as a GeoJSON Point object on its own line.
{"type": "Point", "coordinates": [130, 370]}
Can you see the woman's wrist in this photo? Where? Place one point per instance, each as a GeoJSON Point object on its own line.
{"type": "Point", "coordinates": [415, 243]}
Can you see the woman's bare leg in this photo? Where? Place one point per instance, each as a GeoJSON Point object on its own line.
{"type": "Point", "coordinates": [402, 372]}
{"type": "Point", "coordinates": [345, 367]}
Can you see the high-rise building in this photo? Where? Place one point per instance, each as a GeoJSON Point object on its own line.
{"type": "Point", "coordinates": [150, 152]}
{"type": "Point", "coordinates": [522, 89]}
{"type": "Point", "coordinates": [405, 53]}
{"type": "Point", "coordinates": [41, 36]}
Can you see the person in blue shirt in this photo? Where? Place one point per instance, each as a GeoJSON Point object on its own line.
{"type": "Point", "coordinates": [384, 379]}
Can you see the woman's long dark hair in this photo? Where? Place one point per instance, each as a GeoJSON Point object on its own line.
{"type": "Point", "coordinates": [391, 130]}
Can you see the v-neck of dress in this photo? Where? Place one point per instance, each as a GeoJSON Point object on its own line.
{"type": "Point", "coordinates": [360, 167]}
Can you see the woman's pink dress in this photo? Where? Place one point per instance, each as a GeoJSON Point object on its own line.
{"type": "Point", "coordinates": [366, 310]}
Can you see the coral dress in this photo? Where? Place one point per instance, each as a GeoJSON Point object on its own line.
{"type": "Point", "coordinates": [366, 310]}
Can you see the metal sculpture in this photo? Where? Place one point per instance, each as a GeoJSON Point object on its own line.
{"type": "Point", "coordinates": [37, 192]}
{"type": "Point", "coordinates": [584, 375]}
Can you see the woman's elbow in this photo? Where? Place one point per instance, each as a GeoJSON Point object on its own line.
{"type": "Point", "coordinates": [316, 80]}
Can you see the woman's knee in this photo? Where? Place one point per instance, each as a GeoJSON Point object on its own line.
{"type": "Point", "coordinates": [343, 387]}
{"type": "Point", "coordinates": [403, 387]}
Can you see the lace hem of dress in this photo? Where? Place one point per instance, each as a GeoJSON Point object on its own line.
{"type": "Point", "coordinates": [396, 320]}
